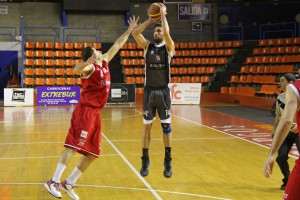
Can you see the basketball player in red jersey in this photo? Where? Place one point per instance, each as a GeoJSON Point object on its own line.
{"type": "Point", "coordinates": [292, 96]}
{"type": "Point", "coordinates": [84, 135]}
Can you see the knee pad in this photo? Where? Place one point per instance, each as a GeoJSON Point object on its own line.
{"type": "Point", "coordinates": [166, 127]}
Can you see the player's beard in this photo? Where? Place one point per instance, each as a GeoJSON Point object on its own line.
{"type": "Point", "coordinates": [158, 40]}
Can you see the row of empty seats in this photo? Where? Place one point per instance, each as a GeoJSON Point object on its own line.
{"type": "Point", "coordinates": [208, 45]}
{"type": "Point", "coordinates": [273, 59]}
{"type": "Point", "coordinates": [199, 61]}
{"type": "Point", "coordinates": [247, 79]}
{"type": "Point", "coordinates": [61, 45]}
{"type": "Point", "coordinates": [277, 50]}
{"type": "Point", "coordinates": [174, 79]}
{"type": "Point", "coordinates": [52, 54]}
{"type": "Point", "coordinates": [32, 82]}
{"type": "Point", "coordinates": [174, 70]}
{"type": "Point", "coordinates": [193, 45]}
{"type": "Point", "coordinates": [183, 53]}
{"type": "Point", "coordinates": [48, 72]}
{"type": "Point", "coordinates": [51, 62]}
{"type": "Point", "coordinates": [245, 91]}
{"type": "Point", "coordinates": [253, 69]}
{"type": "Point", "coordinates": [279, 42]}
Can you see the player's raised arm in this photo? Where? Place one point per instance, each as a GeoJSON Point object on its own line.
{"type": "Point", "coordinates": [137, 33]}
{"type": "Point", "coordinates": [121, 40]}
{"type": "Point", "coordinates": [165, 27]}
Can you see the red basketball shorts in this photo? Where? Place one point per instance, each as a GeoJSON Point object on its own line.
{"type": "Point", "coordinates": [84, 134]}
{"type": "Point", "coordinates": [292, 190]}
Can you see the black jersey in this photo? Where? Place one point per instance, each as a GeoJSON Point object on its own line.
{"type": "Point", "coordinates": [157, 61]}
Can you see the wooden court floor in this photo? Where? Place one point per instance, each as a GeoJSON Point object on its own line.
{"type": "Point", "coordinates": [215, 156]}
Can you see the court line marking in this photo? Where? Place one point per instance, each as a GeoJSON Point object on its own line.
{"type": "Point", "coordinates": [177, 139]}
{"type": "Point", "coordinates": [226, 133]}
{"type": "Point", "coordinates": [127, 188]}
{"type": "Point", "coordinates": [132, 168]}
{"type": "Point", "coordinates": [56, 122]}
{"type": "Point", "coordinates": [119, 153]}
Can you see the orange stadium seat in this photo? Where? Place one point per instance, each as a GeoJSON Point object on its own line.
{"type": "Point", "coordinates": [39, 54]}
{"type": "Point", "coordinates": [70, 81]}
{"type": "Point", "coordinates": [185, 79]}
{"type": "Point", "coordinates": [124, 53]}
{"type": "Point", "coordinates": [128, 70]}
{"type": "Point", "coordinates": [60, 81]}
{"type": "Point", "coordinates": [50, 81]}
{"type": "Point", "coordinates": [78, 81]}
{"type": "Point", "coordinates": [194, 53]}
{"type": "Point", "coordinates": [228, 44]}
{"type": "Point", "coordinates": [219, 44]}
{"type": "Point", "coordinates": [39, 81]}
{"type": "Point", "coordinates": [130, 79]}
{"type": "Point", "coordinates": [174, 70]}
{"type": "Point", "coordinates": [131, 45]}
{"type": "Point", "coordinates": [86, 44]}
{"type": "Point", "coordinates": [49, 71]}
{"type": "Point", "coordinates": [28, 62]}
{"type": "Point", "coordinates": [29, 53]}
{"type": "Point", "coordinates": [39, 71]}
{"type": "Point", "coordinates": [296, 41]}
{"type": "Point", "coordinates": [29, 81]}
{"type": "Point", "coordinates": [58, 46]}
{"type": "Point", "coordinates": [49, 45]}
{"type": "Point", "coordinates": [175, 79]}
{"type": "Point", "coordinates": [29, 71]}
{"type": "Point", "coordinates": [201, 45]}
{"type": "Point", "coordinates": [39, 45]}
{"type": "Point", "coordinates": [201, 70]}
{"type": "Point", "coordinates": [231, 90]}
{"type": "Point", "coordinates": [39, 62]}
{"type": "Point", "coordinates": [69, 63]}
{"type": "Point", "coordinates": [29, 45]}
{"type": "Point", "coordinates": [49, 54]}
{"type": "Point", "coordinates": [192, 70]}
{"type": "Point", "coordinates": [195, 79]}
{"type": "Point", "coordinates": [192, 45]}
{"type": "Point", "coordinates": [68, 54]}
{"type": "Point", "coordinates": [204, 79]}
{"type": "Point", "coordinates": [77, 45]}
{"type": "Point", "coordinates": [69, 71]}
{"type": "Point", "coordinates": [224, 90]}
{"type": "Point", "coordinates": [59, 72]}
{"type": "Point", "coordinates": [77, 54]}
{"type": "Point", "coordinates": [68, 46]}
{"type": "Point", "coordinates": [97, 45]}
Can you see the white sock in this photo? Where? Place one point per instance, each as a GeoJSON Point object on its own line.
{"type": "Point", "coordinates": [74, 176]}
{"type": "Point", "coordinates": [58, 172]}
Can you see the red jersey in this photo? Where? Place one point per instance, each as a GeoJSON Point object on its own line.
{"type": "Point", "coordinates": [296, 88]}
{"type": "Point", "coordinates": [292, 188]}
{"type": "Point", "coordinates": [96, 86]}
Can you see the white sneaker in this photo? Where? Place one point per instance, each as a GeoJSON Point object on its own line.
{"type": "Point", "coordinates": [69, 189]}
{"type": "Point", "coordinates": [53, 188]}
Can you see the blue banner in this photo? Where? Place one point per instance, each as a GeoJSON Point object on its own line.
{"type": "Point", "coordinates": [57, 95]}
{"type": "Point", "coordinates": [194, 11]}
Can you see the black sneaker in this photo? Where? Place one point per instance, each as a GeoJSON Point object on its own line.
{"type": "Point", "coordinates": [145, 164]}
{"type": "Point", "coordinates": [282, 187]}
{"type": "Point", "coordinates": [168, 167]}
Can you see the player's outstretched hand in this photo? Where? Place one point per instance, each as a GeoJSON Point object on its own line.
{"type": "Point", "coordinates": [133, 22]}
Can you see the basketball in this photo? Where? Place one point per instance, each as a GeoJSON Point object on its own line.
{"type": "Point", "coordinates": [153, 10]}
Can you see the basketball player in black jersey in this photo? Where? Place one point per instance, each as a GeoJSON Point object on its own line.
{"type": "Point", "coordinates": [156, 88]}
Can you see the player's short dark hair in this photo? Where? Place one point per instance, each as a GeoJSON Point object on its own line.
{"type": "Point", "coordinates": [87, 52]}
{"type": "Point", "coordinates": [289, 77]}
{"type": "Point", "coordinates": [157, 25]}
